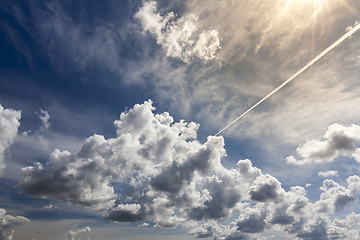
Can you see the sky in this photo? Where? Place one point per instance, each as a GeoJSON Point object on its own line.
{"type": "Point", "coordinates": [109, 112]}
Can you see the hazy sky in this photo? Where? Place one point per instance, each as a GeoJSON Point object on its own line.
{"type": "Point", "coordinates": [109, 111]}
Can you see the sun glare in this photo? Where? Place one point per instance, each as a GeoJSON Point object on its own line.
{"type": "Point", "coordinates": [316, 3]}
{"type": "Point", "coordinates": [306, 1]}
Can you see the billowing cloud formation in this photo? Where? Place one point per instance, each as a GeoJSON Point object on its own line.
{"type": "Point", "coordinates": [339, 140]}
{"type": "Point", "coordinates": [72, 234]}
{"type": "Point", "coordinates": [8, 223]}
{"type": "Point", "coordinates": [155, 170]}
{"type": "Point", "coordinates": [76, 180]}
{"type": "Point", "coordinates": [180, 37]}
{"type": "Point", "coordinates": [9, 124]}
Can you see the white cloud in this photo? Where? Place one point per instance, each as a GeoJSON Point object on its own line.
{"type": "Point", "coordinates": [80, 231]}
{"type": "Point", "coordinates": [8, 223]}
{"type": "Point", "coordinates": [131, 208]}
{"type": "Point", "coordinates": [179, 37]}
{"type": "Point", "coordinates": [51, 207]}
{"type": "Point", "coordinates": [144, 225]}
{"type": "Point", "coordinates": [156, 171]}
{"type": "Point", "coordinates": [339, 140]}
{"type": "Point", "coordinates": [9, 124]}
{"type": "Point", "coordinates": [44, 117]}
{"type": "Point", "coordinates": [328, 173]}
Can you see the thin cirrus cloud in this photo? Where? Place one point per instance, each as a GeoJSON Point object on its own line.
{"type": "Point", "coordinates": [173, 180]}
{"type": "Point", "coordinates": [73, 43]}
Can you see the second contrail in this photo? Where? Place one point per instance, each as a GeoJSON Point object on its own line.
{"type": "Point", "coordinates": [323, 53]}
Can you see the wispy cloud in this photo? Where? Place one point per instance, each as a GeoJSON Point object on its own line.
{"type": "Point", "coordinates": [257, 53]}
{"type": "Point", "coordinates": [67, 40]}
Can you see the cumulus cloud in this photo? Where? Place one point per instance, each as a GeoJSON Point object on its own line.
{"type": "Point", "coordinates": [156, 171]}
{"type": "Point", "coordinates": [347, 228]}
{"type": "Point", "coordinates": [295, 215]}
{"type": "Point", "coordinates": [338, 140]}
{"type": "Point", "coordinates": [8, 223]}
{"type": "Point", "coordinates": [80, 231]}
{"type": "Point", "coordinates": [265, 187]}
{"type": "Point", "coordinates": [179, 37]}
{"type": "Point", "coordinates": [75, 180]}
{"type": "Point", "coordinates": [336, 197]}
{"type": "Point", "coordinates": [9, 124]}
{"type": "Point", "coordinates": [252, 221]}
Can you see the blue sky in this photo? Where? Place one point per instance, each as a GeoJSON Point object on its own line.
{"type": "Point", "coordinates": [109, 111]}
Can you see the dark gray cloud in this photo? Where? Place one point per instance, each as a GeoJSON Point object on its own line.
{"type": "Point", "coordinates": [265, 188]}
{"type": "Point", "coordinates": [281, 217]}
{"type": "Point", "coordinates": [173, 178]}
{"type": "Point", "coordinates": [252, 222]}
{"type": "Point", "coordinates": [224, 197]}
{"type": "Point", "coordinates": [78, 181]}
{"type": "Point", "coordinates": [317, 231]}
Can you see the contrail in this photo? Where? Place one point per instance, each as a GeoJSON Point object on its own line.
{"type": "Point", "coordinates": [323, 53]}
